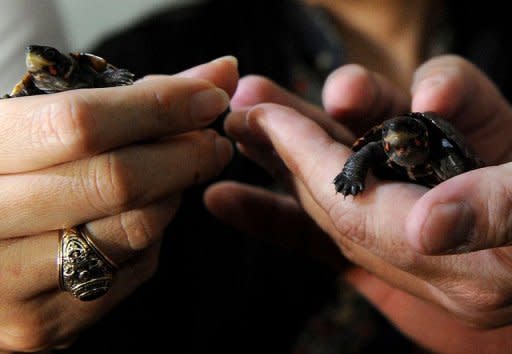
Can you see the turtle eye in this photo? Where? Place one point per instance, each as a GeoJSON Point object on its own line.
{"type": "Point", "coordinates": [50, 53]}
{"type": "Point", "coordinates": [418, 142]}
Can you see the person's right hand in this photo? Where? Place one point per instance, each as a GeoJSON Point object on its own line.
{"type": "Point", "coordinates": [443, 294]}
{"type": "Point", "coordinates": [113, 159]}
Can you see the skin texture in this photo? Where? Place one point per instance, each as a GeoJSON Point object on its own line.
{"type": "Point", "coordinates": [76, 158]}
{"type": "Point", "coordinates": [390, 230]}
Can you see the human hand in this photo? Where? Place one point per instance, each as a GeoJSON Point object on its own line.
{"type": "Point", "coordinates": [373, 229]}
{"type": "Point", "coordinates": [482, 114]}
{"type": "Point", "coordinates": [115, 160]}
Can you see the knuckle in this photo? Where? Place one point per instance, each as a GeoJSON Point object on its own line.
{"type": "Point", "coordinates": [165, 96]}
{"type": "Point", "coordinates": [66, 124]}
{"type": "Point", "coordinates": [139, 229]}
{"type": "Point", "coordinates": [108, 181]}
{"type": "Point", "coordinates": [161, 105]}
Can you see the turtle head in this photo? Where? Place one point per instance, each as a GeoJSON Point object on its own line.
{"type": "Point", "coordinates": [48, 67]}
{"type": "Point", "coordinates": [42, 58]}
{"type": "Point", "coordinates": [405, 141]}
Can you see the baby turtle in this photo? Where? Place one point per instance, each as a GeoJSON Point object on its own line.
{"type": "Point", "coordinates": [417, 147]}
{"type": "Point", "coordinates": [50, 71]}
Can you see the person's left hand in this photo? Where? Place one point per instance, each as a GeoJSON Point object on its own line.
{"type": "Point", "coordinates": [113, 161]}
{"type": "Point", "coordinates": [449, 291]}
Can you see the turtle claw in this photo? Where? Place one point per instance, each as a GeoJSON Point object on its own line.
{"type": "Point", "coordinates": [355, 189]}
{"type": "Point", "coordinates": [118, 77]}
{"type": "Point", "coordinates": [346, 185]}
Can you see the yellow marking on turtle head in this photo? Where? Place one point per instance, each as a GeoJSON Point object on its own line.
{"type": "Point", "coordinates": [395, 137]}
{"type": "Point", "coordinates": [36, 62]}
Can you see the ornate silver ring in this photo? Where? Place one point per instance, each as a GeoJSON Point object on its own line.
{"type": "Point", "coordinates": [84, 270]}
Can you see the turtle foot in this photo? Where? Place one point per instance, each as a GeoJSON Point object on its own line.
{"type": "Point", "coordinates": [346, 185]}
{"type": "Point", "coordinates": [119, 77]}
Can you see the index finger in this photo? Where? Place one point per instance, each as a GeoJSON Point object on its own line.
{"type": "Point", "coordinates": [46, 130]}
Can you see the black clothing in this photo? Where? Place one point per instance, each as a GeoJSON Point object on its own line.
{"type": "Point", "coordinates": [217, 290]}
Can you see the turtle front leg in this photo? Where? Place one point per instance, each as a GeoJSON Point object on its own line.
{"type": "Point", "coordinates": [351, 179]}
{"type": "Point", "coordinates": [20, 89]}
{"type": "Point", "coordinates": [25, 87]}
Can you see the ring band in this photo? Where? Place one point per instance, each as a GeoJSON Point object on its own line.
{"type": "Point", "coordinates": [84, 270]}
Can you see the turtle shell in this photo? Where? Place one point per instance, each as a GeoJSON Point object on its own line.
{"type": "Point", "coordinates": [448, 131]}
{"type": "Point", "coordinates": [95, 62]}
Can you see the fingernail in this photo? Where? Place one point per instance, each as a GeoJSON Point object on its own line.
{"type": "Point", "coordinates": [448, 228]}
{"type": "Point", "coordinates": [224, 150]}
{"type": "Point", "coordinates": [208, 104]}
{"type": "Point", "coordinates": [230, 58]}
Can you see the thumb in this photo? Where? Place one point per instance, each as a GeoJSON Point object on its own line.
{"type": "Point", "coordinates": [466, 213]}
